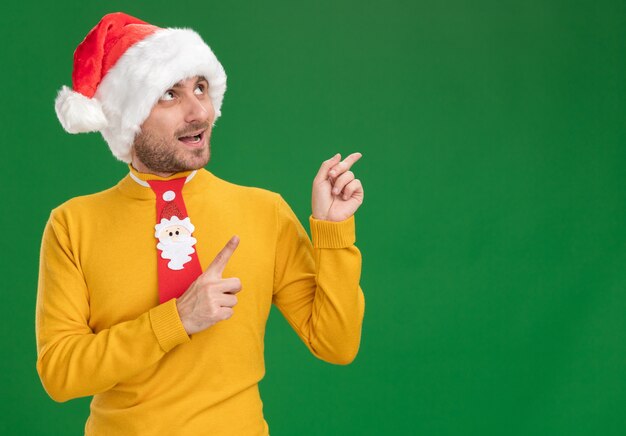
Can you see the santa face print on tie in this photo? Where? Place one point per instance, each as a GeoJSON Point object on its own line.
{"type": "Point", "coordinates": [175, 241]}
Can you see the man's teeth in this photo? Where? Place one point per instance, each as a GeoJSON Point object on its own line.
{"type": "Point", "coordinates": [192, 139]}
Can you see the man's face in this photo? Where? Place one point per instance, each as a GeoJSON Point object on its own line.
{"type": "Point", "coordinates": [175, 136]}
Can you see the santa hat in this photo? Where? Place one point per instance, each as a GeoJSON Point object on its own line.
{"type": "Point", "coordinates": [122, 68]}
{"type": "Point", "coordinates": [169, 217]}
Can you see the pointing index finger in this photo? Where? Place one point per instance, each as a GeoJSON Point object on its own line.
{"type": "Point", "coordinates": [216, 268]}
{"type": "Point", "coordinates": [345, 164]}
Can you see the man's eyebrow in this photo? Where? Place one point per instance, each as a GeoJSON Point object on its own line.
{"type": "Point", "coordinates": [198, 80]}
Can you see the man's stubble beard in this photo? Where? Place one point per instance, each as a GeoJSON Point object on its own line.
{"type": "Point", "coordinates": [159, 155]}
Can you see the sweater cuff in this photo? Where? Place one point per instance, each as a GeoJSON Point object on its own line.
{"type": "Point", "coordinates": [332, 234]}
{"type": "Point", "coordinates": [167, 325]}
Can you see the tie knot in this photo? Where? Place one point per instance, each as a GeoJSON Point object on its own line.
{"type": "Point", "coordinates": [167, 190]}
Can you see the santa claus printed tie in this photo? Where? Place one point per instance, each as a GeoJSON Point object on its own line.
{"type": "Point", "coordinates": [177, 260]}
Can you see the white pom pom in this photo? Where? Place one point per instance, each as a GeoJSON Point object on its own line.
{"type": "Point", "coordinates": [77, 113]}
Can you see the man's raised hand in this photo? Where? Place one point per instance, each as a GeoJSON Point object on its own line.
{"type": "Point", "coordinates": [337, 194]}
{"type": "Point", "coordinates": [210, 298]}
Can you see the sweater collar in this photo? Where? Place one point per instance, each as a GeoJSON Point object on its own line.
{"type": "Point", "coordinates": [135, 183]}
{"type": "Point", "coordinates": [143, 178]}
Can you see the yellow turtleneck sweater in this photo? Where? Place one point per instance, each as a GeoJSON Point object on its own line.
{"type": "Point", "coordinates": [102, 332]}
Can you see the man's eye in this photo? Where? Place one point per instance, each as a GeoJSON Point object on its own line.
{"type": "Point", "coordinates": [199, 89]}
{"type": "Point", "coordinates": [168, 95]}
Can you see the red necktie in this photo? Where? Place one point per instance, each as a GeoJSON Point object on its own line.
{"type": "Point", "coordinates": [177, 259]}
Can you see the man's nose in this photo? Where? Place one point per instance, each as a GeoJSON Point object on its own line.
{"type": "Point", "coordinates": [196, 110]}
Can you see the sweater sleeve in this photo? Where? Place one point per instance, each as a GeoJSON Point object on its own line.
{"type": "Point", "coordinates": [72, 360]}
{"type": "Point", "coordinates": [316, 285]}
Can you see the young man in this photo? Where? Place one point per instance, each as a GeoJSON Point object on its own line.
{"type": "Point", "coordinates": [154, 294]}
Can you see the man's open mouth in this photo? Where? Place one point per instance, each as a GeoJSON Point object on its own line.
{"type": "Point", "coordinates": [195, 138]}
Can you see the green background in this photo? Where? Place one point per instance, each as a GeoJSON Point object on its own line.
{"type": "Point", "coordinates": [492, 232]}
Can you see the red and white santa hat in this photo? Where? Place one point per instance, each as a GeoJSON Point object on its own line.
{"type": "Point", "coordinates": [122, 68]}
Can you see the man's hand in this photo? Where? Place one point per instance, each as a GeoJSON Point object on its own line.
{"type": "Point", "coordinates": [336, 193]}
{"type": "Point", "coordinates": [210, 298]}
